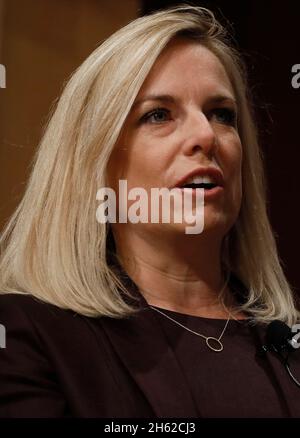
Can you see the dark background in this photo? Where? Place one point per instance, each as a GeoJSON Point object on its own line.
{"type": "Point", "coordinates": [43, 41]}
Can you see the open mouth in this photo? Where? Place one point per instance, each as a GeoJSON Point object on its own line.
{"type": "Point", "coordinates": [206, 186]}
{"type": "Point", "coordinates": [205, 178]}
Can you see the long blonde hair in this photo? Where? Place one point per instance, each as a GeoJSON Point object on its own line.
{"type": "Point", "coordinates": [54, 249]}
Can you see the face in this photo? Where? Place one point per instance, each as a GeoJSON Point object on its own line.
{"type": "Point", "coordinates": [183, 119]}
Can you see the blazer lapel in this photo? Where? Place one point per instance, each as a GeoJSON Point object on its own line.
{"type": "Point", "coordinates": [143, 348]}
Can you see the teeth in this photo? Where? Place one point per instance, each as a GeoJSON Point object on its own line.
{"type": "Point", "coordinates": [200, 180]}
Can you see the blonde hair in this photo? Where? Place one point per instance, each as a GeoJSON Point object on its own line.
{"type": "Point", "coordinates": [54, 249]}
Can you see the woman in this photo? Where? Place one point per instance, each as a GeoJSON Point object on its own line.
{"type": "Point", "coordinates": [143, 319]}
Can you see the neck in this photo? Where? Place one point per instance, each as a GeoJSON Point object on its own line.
{"type": "Point", "coordinates": [186, 278]}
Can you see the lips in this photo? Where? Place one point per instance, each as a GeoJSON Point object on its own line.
{"type": "Point", "coordinates": [212, 172]}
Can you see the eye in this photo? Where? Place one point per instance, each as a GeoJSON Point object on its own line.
{"type": "Point", "coordinates": [156, 116]}
{"type": "Point", "coordinates": [227, 116]}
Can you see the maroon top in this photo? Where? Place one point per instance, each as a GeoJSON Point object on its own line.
{"type": "Point", "coordinates": [233, 382]}
{"type": "Point", "coordinates": [61, 364]}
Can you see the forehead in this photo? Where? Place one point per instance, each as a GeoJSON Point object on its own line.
{"type": "Point", "coordinates": [190, 67]}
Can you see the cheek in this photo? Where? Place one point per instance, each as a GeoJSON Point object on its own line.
{"type": "Point", "coordinates": [115, 168]}
{"type": "Point", "coordinates": [146, 163]}
{"type": "Point", "coordinates": [231, 160]}
{"type": "Point", "coordinates": [121, 161]}
{"type": "Point", "coordinates": [136, 163]}
{"type": "Point", "coordinates": [236, 174]}
{"type": "Point", "coordinates": [237, 161]}
{"type": "Point", "coordinates": [232, 155]}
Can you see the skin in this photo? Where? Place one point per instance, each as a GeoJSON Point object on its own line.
{"type": "Point", "coordinates": [174, 270]}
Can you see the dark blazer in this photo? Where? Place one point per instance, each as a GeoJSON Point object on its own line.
{"type": "Point", "coordinates": [58, 363]}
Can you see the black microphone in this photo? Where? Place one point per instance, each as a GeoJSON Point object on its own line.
{"type": "Point", "coordinates": [279, 340]}
{"type": "Point", "coordinates": [279, 337]}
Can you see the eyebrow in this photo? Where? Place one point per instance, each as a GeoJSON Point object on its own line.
{"type": "Point", "coordinates": [219, 98]}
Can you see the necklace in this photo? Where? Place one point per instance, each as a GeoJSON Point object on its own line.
{"type": "Point", "coordinates": [213, 343]}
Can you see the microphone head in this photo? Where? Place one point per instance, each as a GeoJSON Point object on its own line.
{"type": "Point", "coordinates": [278, 334]}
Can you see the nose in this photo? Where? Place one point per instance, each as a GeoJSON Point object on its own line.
{"type": "Point", "coordinates": [198, 134]}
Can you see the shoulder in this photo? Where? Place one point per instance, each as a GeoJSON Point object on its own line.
{"type": "Point", "coordinates": [21, 308]}
{"type": "Point", "coordinates": [21, 302]}
{"type": "Point", "coordinates": [40, 337]}
{"type": "Point", "coordinates": [34, 321]}
{"type": "Point", "coordinates": [58, 331]}
{"type": "Point", "coordinates": [45, 353]}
